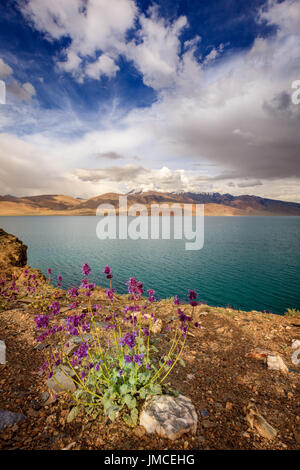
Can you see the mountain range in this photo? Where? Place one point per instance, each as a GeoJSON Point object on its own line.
{"type": "Point", "coordinates": [215, 204]}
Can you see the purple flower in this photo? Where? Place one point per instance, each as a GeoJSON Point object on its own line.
{"type": "Point", "coordinates": [151, 297]}
{"type": "Point", "coordinates": [182, 317]}
{"type": "Point", "coordinates": [138, 358]}
{"type": "Point", "coordinates": [97, 366]}
{"type": "Point", "coordinates": [81, 352]}
{"type": "Point", "coordinates": [55, 307]}
{"type": "Point", "coordinates": [192, 296]}
{"type": "Point", "coordinates": [121, 372]}
{"type": "Point", "coordinates": [41, 321]}
{"type": "Point", "coordinates": [145, 331]}
{"type": "Point", "coordinates": [49, 271]}
{"type": "Point", "coordinates": [73, 305]}
{"type": "Point", "coordinates": [128, 339]}
{"type": "Point", "coordinates": [128, 359]}
{"type": "Point", "coordinates": [176, 300]}
{"type": "Point", "coordinates": [148, 366]}
{"type": "Point", "coordinates": [107, 270]}
{"type": "Point", "coordinates": [85, 269]}
{"type": "Point", "coordinates": [110, 294]}
{"type": "Point", "coordinates": [135, 287]}
{"type": "Point", "coordinates": [73, 292]}
{"type": "Point", "coordinates": [169, 363]}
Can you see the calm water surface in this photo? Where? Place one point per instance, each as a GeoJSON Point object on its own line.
{"type": "Point", "coordinates": [246, 262]}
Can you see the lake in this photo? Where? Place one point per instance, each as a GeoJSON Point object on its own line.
{"type": "Point", "coordinates": [249, 263]}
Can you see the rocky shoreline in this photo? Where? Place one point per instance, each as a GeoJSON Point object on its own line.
{"type": "Point", "coordinates": [239, 376]}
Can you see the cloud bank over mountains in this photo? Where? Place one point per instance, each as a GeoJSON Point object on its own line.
{"type": "Point", "coordinates": [221, 121]}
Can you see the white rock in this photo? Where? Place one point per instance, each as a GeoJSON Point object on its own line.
{"type": "Point", "coordinates": [2, 352]}
{"type": "Point", "coordinates": [296, 344]}
{"type": "Point", "coordinates": [169, 417]}
{"type": "Point", "coordinates": [156, 327]}
{"type": "Point", "coordinates": [276, 363]}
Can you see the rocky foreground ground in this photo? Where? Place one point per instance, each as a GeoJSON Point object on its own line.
{"type": "Point", "coordinates": [240, 400]}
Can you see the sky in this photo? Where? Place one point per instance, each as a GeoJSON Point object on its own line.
{"type": "Point", "coordinates": [135, 95]}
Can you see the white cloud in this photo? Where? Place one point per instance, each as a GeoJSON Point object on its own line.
{"type": "Point", "coordinates": [104, 65]}
{"type": "Point", "coordinates": [232, 117]}
{"type": "Point", "coordinates": [96, 25]}
{"type": "Point", "coordinates": [155, 52]}
{"type": "Point", "coordinates": [21, 92]}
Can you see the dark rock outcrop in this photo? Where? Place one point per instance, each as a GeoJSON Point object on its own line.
{"type": "Point", "coordinates": [13, 253]}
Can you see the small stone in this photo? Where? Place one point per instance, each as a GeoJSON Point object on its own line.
{"type": "Point", "coordinates": [139, 431]}
{"type": "Point", "coordinates": [9, 418]}
{"type": "Point", "coordinates": [277, 363]}
{"type": "Point", "coordinates": [259, 354]}
{"type": "Point", "coordinates": [44, 396]}
{"type": "Point", "coordinates": [228, 406]}
{"type": "Point", "coordinates": [69, 446]}
{"type": "Point", "coordinates": [2, 352]}
{"type": "Point", "coordinates": [185, 445]}
{"type": "Point", "coordinates": [207, 424]}
{"type": "Point", "coordinates": [296, 344]}
{"type": "Point", "coordinates": [204, 413]}
{"type": "Point", "coordinates": [169, 417]}
{"type": "Point", "coordinates": [190, 376]}
{"type": "Point", "coordinates": [32, 413]}
{"type": "Point", "coordinates": [62, 375]}
{"type": "Point", "coordinates": [157, 326]}
{"type": "Point", "coordinates": [297, 437]}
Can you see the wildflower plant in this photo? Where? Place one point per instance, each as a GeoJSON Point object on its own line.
{"type": "Point", "coordinates": [119, 369]}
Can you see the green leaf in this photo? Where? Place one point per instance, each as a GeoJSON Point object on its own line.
{"type": "Point", "coordinates": [181, 362]}
{"type": "Point", "coordinates": [130, 401]}
{"type": "Point", "coordinates": [124, 389]}
{"type": "Point", "coordinates": [155, 389]}
{"type": "Point", "coordinates": [131, 419]}
{"type": "Point", "coordinates": [143, 393]}
{"type": "Point", "coordinates": [73, 413]}
{"type": "Point", "coordinates": [134, 416]}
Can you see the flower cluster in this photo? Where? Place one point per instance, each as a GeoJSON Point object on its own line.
{"type": "Point", "coordinates": [112, 366]}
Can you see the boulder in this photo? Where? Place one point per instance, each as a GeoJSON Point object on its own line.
{"type": "Point", "coordinates": [12, 251]}
{"type": "Point", "coordinates": [169, 417]}
{"type": "Point", "coordinates": [8, 418]}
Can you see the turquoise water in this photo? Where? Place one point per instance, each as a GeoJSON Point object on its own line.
{"type": "Point", "coordinates": [246, 262]}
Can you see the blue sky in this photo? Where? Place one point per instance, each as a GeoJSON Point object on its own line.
{"type": "Point", "coordinates": [168, 95]}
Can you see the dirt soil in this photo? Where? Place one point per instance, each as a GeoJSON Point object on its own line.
{"type": "Point", "coordinates": [220, 380]}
